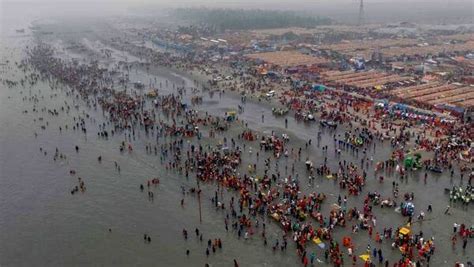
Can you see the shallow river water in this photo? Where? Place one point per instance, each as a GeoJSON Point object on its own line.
{"type": "Point", "coordinates": [42, 224]}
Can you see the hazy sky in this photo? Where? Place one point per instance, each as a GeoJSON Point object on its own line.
{"type": "Point", "coordinates": [242, 2]}
{"type": "Point", "coordinates": [270, 4]}
{"type": "Point", "coordinates": [375, 10]}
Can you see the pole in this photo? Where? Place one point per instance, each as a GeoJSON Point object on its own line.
{"type": "Point", "coordinates": [199, 199]}
{"type": "Point", "coordinates": [361, 13]}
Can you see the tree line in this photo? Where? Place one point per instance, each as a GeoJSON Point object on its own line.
{"type": "Point", "coordinates": [243, 19]}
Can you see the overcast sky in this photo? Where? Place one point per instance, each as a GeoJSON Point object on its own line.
{"type": "Point", "coordinates": [375, 10]}
{"type": "Point", "coordinates": [241, 2]}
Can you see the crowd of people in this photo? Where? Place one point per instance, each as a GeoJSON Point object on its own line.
{"type": "Point", "coordinates": [272, 191]}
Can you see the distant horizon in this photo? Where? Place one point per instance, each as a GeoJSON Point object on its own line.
{"type": "Point", "coordinates": [342, 11]}
{"type": "Point", "coordinates": [217, 3]}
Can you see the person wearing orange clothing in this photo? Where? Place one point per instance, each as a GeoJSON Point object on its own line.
{"type": "Point", "coordinates": [377, 238]}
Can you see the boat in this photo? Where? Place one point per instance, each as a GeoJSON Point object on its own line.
{"type": "Point", "coordinates": [328, 123]}
{"type": "Point", "coordinates": [463, 195]}
{"type": "Point", "coordinates": [436, 169]}
{"type": "Point", "coordinates": [280, 111]}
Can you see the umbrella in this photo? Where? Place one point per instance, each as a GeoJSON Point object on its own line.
{"type": "Point", "coordinates": [365, 257]}
{"type": "Point", "coordinates": [318, 242]}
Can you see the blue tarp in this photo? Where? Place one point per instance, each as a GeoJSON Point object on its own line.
{"type": "Point", "coordinates": [452, 108]}
{"type": "Point", "coordinates": [400, 106]}
{"type": "Point", "coordinates": [273, 74]}
{"type": "Point", "coordinates": [318, 87]}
